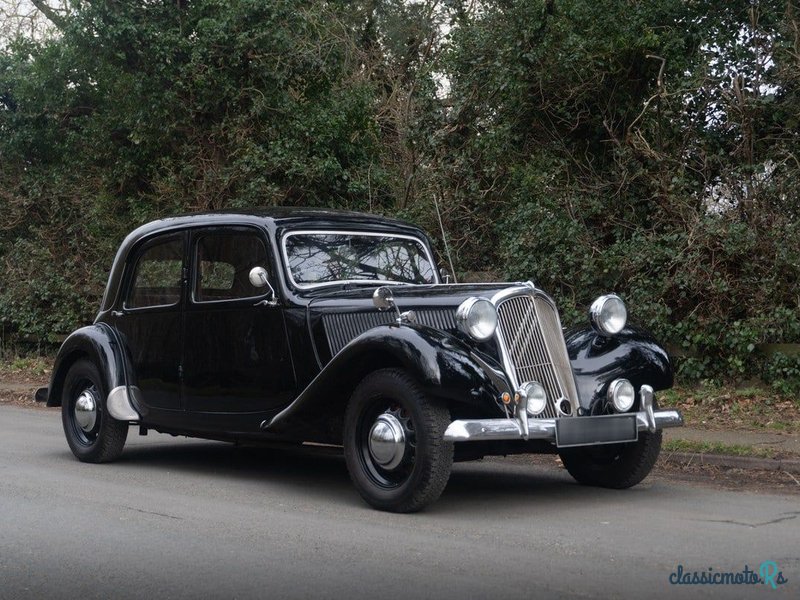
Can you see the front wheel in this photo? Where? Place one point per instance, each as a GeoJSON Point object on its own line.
{"type": "Point", "coordinates": [394, 442]}
{"type": "Point", "coordinates": [92, 434]}
{"type": "Point", "coordinates": [615, 466]}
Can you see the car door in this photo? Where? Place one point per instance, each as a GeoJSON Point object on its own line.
{"type": "Point", "coordinates": [148, 318]}
{"type": "Point", "coordinates": [236, 356]}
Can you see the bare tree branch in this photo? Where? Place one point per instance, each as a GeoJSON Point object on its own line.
{"type": "Point", "coordinates": [51, 14]}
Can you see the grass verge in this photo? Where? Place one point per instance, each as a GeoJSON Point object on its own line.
{"type": "Point", "coordinates": [751, 408]}
{"type": "Point", "coordinates": [696, 447]}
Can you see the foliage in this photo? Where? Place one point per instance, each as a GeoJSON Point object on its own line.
{"type": "Point", "coordinates": [637, 147]}
{"type": "Point", "coordinates": [782, 372]}
{"type": "Point", "coordinates": [640, 147]}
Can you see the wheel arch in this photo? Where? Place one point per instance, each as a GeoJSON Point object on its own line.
{"type": "Point", "coordinates": [632, 354]}
{"type": "Point", "coordinates": [97, 343]}
{"type": "Point", "coordinates": [442, 365]}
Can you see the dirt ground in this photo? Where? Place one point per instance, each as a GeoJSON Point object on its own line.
{"type": "Point", "coordinates": [19, 380]}
{"type": "Point", "coordinates": [727, 408]}
{"type": "Point", "coordinates": [751, 480]}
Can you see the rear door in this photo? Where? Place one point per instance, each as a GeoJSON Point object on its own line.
{"type": "Point", "coordinates": [236, 357]}
{"type": "Point", "coordinates": [149, 318]}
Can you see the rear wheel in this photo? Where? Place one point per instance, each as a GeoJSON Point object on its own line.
{"type": "Point", "coordinates": [393, 442]}
{"type": "Point", "coordinates": [92, 434]}
{"type": "Point", "coordinates": [616, 466]}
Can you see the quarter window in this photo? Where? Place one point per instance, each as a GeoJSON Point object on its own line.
{"type": "Point", "coordinates": [223, 265]}
{"type": "Point", "coordinates": [158, 275]}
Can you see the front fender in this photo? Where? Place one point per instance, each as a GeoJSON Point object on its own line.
{"type": "Point", "coordinates": [97, 343]}
{"type": "Point", "coordinates": [443, 365]}
{"type": "Point", "coordinates": [632, 354]}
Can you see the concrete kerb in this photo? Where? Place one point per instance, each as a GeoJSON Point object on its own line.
{"type": "Point", "coordinates": [733, 462]}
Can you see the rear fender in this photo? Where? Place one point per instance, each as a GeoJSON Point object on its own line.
{"type": "Point", "coordinates": [99, 344]}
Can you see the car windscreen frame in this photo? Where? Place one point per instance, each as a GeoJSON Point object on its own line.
{"type": "Point", "coordinates": [354, 232]}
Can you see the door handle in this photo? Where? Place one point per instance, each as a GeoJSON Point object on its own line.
{"type": "Point", "coordinates": [266, 302]}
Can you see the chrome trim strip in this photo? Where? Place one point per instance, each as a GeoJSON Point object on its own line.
{"type": "Point", "coordinates": [471, 430]}
{"type": "Point", "coordinates": [119, 405]}
{"type": "Point", "coordinates": [400, 236]}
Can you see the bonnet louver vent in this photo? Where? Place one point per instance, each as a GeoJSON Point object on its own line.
{"type": "Point", "coordinates": [341, 328]}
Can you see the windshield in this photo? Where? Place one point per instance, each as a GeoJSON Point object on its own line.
{"type": "Point", "coordinates": [327, 257]}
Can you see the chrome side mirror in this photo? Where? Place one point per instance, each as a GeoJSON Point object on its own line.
{"type": "Point", "coordinates": [444, 275]}
{"type": "Point", "coordinates": [259, 279]}
{"type": "Point", "coordinates": [383, 299]}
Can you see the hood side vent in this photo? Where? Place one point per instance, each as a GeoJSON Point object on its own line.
{"type": "Point", "coordinates": [342, 328]}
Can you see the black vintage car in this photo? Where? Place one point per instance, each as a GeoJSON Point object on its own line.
{"type": "Point", "coordinates": [289, 325]}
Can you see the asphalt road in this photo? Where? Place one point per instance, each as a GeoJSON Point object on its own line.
{"type": "Point", "coordinates": [176, 518]}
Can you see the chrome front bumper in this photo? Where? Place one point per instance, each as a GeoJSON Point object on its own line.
{"type": "Point", "coordinates": [469, 430]}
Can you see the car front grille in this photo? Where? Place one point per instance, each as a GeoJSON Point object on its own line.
{"type": "Point", "coordinates": [530, 332]}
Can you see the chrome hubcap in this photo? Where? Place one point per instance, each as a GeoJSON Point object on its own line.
{"type": "Point", "coordinates": [86, 411]}
{"type": "Point", "coordinates": [387, 441]}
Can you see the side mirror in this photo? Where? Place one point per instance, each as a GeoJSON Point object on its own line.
{"type": "Point", "coordinates": [445, 275]}
{"type": "Point", "coordinates": [383, 299]}
{"type": "Point", "coordinates": [259, 279]}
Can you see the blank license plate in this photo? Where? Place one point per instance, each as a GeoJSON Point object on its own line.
{"type": "Point", "coordinates": [585, 431]}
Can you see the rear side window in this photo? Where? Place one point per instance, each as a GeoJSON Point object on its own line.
{"type": "Point", "coordinates": [223, 263]}
{"type": "Point", "coordinates": [158, 273]}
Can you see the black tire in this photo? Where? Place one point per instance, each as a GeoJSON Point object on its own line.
{"type": "Point", "coordinates": [103, 442]}
{"type": "Point", "coordinates": [616, 466]}
{"type": "Point", "coordinates": [427, 459]}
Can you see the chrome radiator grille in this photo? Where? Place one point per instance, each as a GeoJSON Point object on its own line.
{"type": "Point", "coordinates": [530, 331]}
{"type": "Point", "coordinates": [341, 328]}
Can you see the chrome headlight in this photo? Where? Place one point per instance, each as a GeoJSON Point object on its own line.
{"type": "Point", "coordinates": [477, 318]}
{"type": "Point", "coordinates": [608, 314]}
{"type": "Point", "coordinates": [537, 397]}
{"type": "Point", "coordinates": [621, 395]}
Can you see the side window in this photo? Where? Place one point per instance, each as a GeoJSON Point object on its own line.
{"type": "Point", "coordinates": [157, 276]}
{"type": "Point", "coordinates": [223, 262]}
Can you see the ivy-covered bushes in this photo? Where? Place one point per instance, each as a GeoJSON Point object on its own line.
{"type": "Point", "coordinates": [647, 148]}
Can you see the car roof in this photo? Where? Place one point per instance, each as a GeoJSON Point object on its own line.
{"type": "Point", "coordinates": [273, 218]}
{"type": "Point", "coordinates": [277, 215]}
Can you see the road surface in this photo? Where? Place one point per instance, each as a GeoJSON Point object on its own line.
{"type": "Point", "coordinates": [177, 518]}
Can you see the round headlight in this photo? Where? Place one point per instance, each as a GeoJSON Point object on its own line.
{"type": "Point", "coordinates": [621, 394]}
{"type": "Point", "coordinates": [608, 314]}
{"type": "Point", "coordinates": [537, 397]}
{"type": "Point", "coordinates": [477, 318]}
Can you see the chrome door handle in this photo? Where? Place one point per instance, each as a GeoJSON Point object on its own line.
{"type": "Point", "coordinates": [266, 302]}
